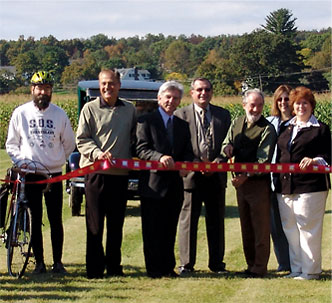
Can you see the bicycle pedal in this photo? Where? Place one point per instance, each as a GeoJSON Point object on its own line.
{"type": "Point", "coordinates": [24, 254]}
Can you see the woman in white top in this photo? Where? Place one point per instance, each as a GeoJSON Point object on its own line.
{"type": "Point", "coordinates": [280, 114]}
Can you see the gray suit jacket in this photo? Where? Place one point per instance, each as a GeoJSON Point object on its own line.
{"type": "Point", "coordinates": [221, 120]}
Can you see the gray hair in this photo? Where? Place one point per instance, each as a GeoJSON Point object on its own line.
{"type": "Point", "coordinates": [252, 91]}
{"type": "Point", "coordinates": [170, 85]}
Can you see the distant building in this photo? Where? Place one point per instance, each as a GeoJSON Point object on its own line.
{"type": "Point", "coordinates": [134, 74]}
{"type": "Point", "coordinates": [8, 72]}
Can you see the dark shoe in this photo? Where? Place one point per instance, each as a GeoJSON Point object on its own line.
{"type": "Point", "coordinates": [281, 269]}
{"type": "Point", "coordinates": [118, 273]}
{"type": "Point", "coordinates": [242, 273]}
{"type": "Point", "coordinates": [171, 274]}
{"type": "Point", "coordinates": [220, 270]}
{"type": "Point", "coordinates": [40, 268]}
{"type": "Point", "coordinates": [58, 268]}
{"type": "Point", "coordinates": [95, 276]}
{"type": "Point", "coordinates": [154, 275]}
{"type": "Point", "coordinates": [250, 274]}
{"type": "Point", "coordinates": [185, 271]}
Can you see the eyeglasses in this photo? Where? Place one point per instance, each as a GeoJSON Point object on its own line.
{"type": "Point", "coordinates": [207, 89]}
{"type": "Point", "coordinates": [286, 99]}
{"type": "Point", "coordinates": [47, 88]}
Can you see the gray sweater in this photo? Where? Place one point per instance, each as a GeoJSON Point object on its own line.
{"type": "Point", "coordinates": [103, 128]}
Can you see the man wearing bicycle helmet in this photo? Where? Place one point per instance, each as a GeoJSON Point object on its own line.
{"type": "Point", "coordinates": [40, 131]}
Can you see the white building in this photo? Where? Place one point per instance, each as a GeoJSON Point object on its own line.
{"type": "Point", "coordinates": [8, 72]}
{"type": "Point", "coordinates": [134, 74]}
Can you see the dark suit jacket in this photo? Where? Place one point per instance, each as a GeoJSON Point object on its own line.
{"type": "Point", "coordinates": [152, 144]}
{"type": "Point", "coordinates": [221, 120]}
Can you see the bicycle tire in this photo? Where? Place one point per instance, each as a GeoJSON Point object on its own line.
{"type": "Point", "coordinates": [19, 242]}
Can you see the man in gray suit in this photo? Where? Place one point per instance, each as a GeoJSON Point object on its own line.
{"type": "Point", "coordinates": [208, 127]}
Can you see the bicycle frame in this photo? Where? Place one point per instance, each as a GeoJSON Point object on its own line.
{"type": "Point", "coordinates": [20, 200]}
{"type": "Point", "coordinates": [19, 232]}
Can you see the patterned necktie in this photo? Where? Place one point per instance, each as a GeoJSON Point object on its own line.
{"type": "Point", "coordinates": [169, 128]}
{"type": "Point", "coordinates": [207, 133]}
{"type": "Point", "coordinates": [205, 121]}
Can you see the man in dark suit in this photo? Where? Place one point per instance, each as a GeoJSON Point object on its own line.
{"type": "Point", "coordinates": [165, 138]}
{"type": "Point", "coordinates": [208, 127]}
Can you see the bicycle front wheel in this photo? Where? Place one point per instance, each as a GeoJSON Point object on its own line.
{"type": "Point", "coordinates": [19, 242]}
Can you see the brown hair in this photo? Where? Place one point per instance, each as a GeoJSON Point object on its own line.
{"type": "Point", "coordinates": [110, 71]}
{"type": "Point", "coordinates": [302, 92]}
{"type": "Point", "coordinates": [284, 88]}
{"type": "Point", "coordinates": [192, 85]}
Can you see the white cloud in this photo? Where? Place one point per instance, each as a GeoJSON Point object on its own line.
{"type": "Point", "coordinates": [66, 19]}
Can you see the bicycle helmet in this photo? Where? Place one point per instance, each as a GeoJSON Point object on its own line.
{"type": "Point", "coordinates": [42, 77]}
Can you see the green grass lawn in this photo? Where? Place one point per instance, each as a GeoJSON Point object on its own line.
{"type": "Point", "coordinates": [203, 286]}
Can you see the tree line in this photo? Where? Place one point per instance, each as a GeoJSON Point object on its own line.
{"type": "Point", "coordinates": [272, 54]}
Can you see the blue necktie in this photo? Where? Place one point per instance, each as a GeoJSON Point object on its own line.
{"type": "Point", "coordinates": [169, 128]}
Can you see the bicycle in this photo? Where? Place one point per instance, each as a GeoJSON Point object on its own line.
{"type": "Point", "coordinates": [18, 233]}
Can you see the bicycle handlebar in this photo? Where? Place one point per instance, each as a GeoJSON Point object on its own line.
{"type": "Point", "coordinates": [27, 170]}
{"type": "Point", "coordinates": [23, 170]}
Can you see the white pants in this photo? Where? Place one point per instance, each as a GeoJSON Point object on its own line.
{"type": "Point", "coordinates": [302, 220]}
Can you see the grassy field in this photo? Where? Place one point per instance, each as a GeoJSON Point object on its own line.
{"type": "Point", "coordinates": [203, 286]}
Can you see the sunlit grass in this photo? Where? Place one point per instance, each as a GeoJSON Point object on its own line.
{"type": "Point", "coordinates": [203, 286]}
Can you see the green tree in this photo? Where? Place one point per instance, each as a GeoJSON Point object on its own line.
{"type": "Point", "coordinates": [73, 48]}
{"type": "Point", "coordinates": [141, 59]}
{"type": "Point", "coordinates": [199, 50]}
{"type": "Point", "coordinates": [322, 58]}
{"type": "Point", "coordinates": [53, 59]}
{"type": "Point", "coordinates": [220, 72]}
{"type": "Point", "coordinates": [267, 58]}
{"type": "Point", "coordinates": [26, 64]}
{"type": "Point", "coordinates": [50, 41]}
{"type": "Point", "coordinates": [80, 69]}
{"type": "Point", "coordinates": [114, 62]}
{"type": "Point", "coordinates": [19, 47]}
{"type": "Point", "coordinates": [150, 39]}
{"type": "Point", "coordinates": [100, 56]}
{"type": "Point", "coordinates": [97, 42]}
{"type": "Point", "coordinates": [177, 57]}
{"type": "Point", "coordinates": [315, 41]}
{"type": "Point", "coordinates": [320, 78]}
{"type": "Point", "coordinates": [4, 46]}
{"type": "Point", "coordinates": [281, 22]}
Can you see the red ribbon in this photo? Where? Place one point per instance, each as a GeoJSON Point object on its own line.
{"type": "Point", "coordinates": [132, 164]}
{"type": "Point", "coordinates": [221, 167]}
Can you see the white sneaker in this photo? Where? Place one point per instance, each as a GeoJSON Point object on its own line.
{"type": "Point", "coordinates": [307, 277]}
{"type": "Point", "coordinates": [293, 275]}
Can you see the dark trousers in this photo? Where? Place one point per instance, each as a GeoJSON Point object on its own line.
{"type": "Point", "coordinates": [279, 239]}
{"type": "Point", "coordinates": [159, 225]}
{"type": "Point", "coordinates": [106, 196]}
{"type": "Point", "coordinates": [208, 190]}
{"type": "Point", "coordinates": [53, 202]}
{"type": "Point", "coordinates": [254, 209]}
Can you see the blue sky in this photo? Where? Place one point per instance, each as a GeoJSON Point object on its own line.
{"type": "Point", "coordinates": [67, 19]}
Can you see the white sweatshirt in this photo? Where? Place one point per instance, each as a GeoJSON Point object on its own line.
{"type": "Point", "coordinates": [45, 136]}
